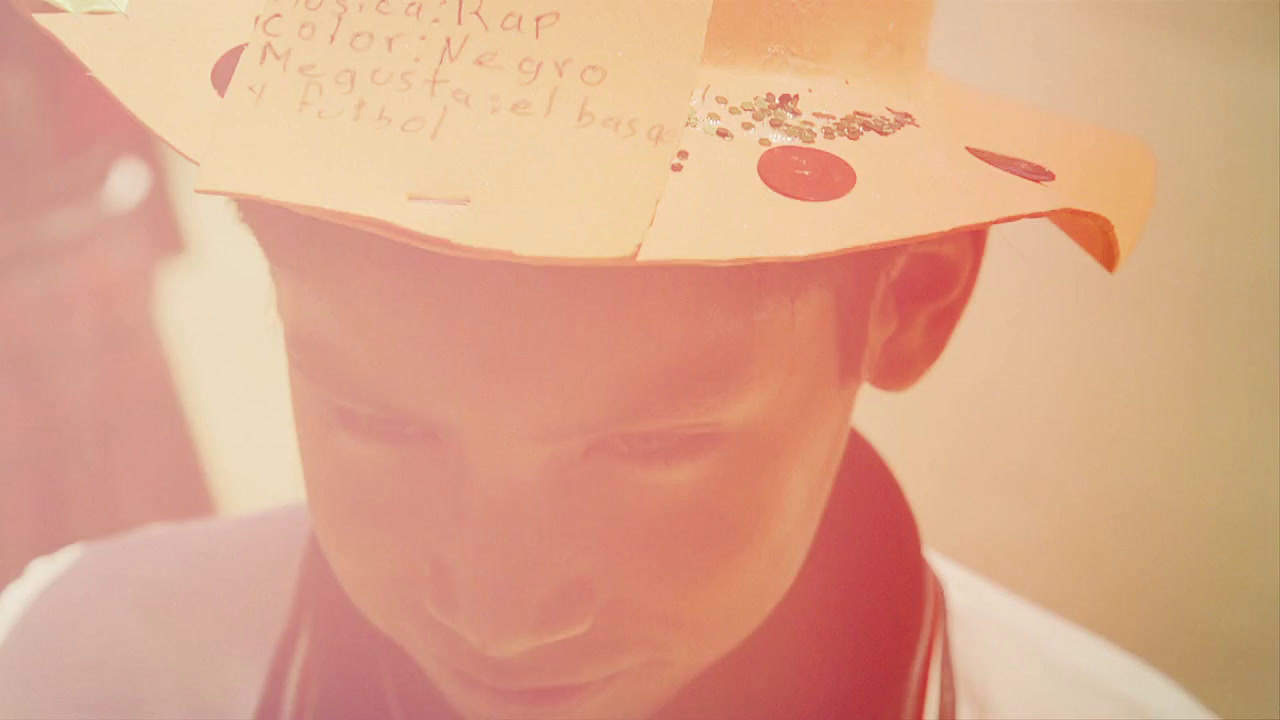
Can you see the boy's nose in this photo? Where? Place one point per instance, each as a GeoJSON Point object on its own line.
{"type": "Point", "coordinates": [507, 611]}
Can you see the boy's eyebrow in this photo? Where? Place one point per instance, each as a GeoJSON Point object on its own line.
{"type": "Point", "coordinates": [690, 396]}
{"type": "Point", "coordinates": [307, 359]}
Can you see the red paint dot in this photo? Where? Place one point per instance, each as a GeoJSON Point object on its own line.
{"type": "Point", "coordinates": [1024, 169]}
{"type": "Point", "coordinates": [805, 173]}
{"type": "Point", "coordinates": [225, 68]}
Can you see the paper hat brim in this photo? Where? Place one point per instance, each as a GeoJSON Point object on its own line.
{"type": "Point", "coordinates": [967, 160]}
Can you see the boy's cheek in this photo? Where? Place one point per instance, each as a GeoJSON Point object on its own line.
{"type": "Point", "coordinates": [713, 538]}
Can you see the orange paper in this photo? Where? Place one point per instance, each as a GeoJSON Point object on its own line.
{"type": "Point", "coordinates": [474, 121]}
{"type": "Point", "coordinates": [606, 131]}
{"type": "Point", "coordinates": [917, 181]}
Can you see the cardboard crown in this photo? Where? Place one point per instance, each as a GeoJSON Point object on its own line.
{"type": "Point", "coordinates": [606, 131]}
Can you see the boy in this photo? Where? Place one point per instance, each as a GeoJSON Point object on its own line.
{"type": "Point", "coordinates": [574, 422]}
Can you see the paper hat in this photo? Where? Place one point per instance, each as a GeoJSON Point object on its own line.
{"type": "Point", "coordinates": [606, 131]}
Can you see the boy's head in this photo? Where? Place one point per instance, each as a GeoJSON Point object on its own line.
{"type": "Point", "coordinates": [539, 476]}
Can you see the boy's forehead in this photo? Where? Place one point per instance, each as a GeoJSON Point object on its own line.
{"type": "Point", "coordinates": [494, 303]}
{"type": "Point", "coordinates": [455, 336]}
{"type": "Point", "coordinates": [389, 284]}
{"type": "Point", "coordinates": [399, 276]}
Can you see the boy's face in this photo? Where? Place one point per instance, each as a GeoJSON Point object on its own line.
{"type": "Point", "coordinates": [536, 478]}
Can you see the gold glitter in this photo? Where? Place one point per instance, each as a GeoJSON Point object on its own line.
{"type": "Point", "coordinates": [790, 104]}
{"type": "Point", "coordinates": [787, 123]}
{"type": "Point", "coordinates": [905, 117]}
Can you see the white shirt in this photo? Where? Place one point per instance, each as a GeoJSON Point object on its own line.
{"type": "Point", "coordinates": [180, 621]}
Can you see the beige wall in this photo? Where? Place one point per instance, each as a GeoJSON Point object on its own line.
{"type": "Point", "coordinates": [1108, 446]}
{"type": "Point", "coordinates": [1114, 441]}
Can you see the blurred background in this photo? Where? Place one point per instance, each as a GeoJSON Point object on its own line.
{"type": "Point", "coordinates": [1108, 446]}
{"type": "Point", "coordinates": [93, 437]}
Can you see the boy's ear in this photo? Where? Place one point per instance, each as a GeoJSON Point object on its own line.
{"type": "Point", "coordinates": [925, 291]}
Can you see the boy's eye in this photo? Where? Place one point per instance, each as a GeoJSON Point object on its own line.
{"type": "Point", "coordinates": [663, 448]}
{"type": "Point", "coordinates": [379, 428]}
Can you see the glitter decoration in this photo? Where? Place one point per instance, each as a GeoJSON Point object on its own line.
{"type": "Point", "coordinates": [906, 117]}
{"type": "Point", "coordinates": [803, 173]}
{"type": "Point", "coordinates": [1024, 169]}
{"type": "Point", "coordinates": [225, 67]}
{"type": "Point", "coordinates": [778, 119]}
{"type": "Point", "coordinates": [677, 165]}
